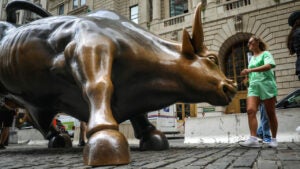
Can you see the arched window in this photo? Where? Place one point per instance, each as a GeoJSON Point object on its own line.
{"type": "Point", "coordinates": [235, 61]}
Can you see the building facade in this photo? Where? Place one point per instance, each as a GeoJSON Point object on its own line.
{"type": "Point", "coordinates": [227, 24]}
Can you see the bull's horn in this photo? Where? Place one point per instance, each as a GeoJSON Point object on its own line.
{"type": "Point", "coordinates": [197, 34]}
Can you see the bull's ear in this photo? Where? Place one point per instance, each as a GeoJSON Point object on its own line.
{"type": "Point", "coordinates": [187, 47]}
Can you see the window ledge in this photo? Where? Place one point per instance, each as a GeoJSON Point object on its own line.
{"type": "Point", "coordinates": [78, 10]}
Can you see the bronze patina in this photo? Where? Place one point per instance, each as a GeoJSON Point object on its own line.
{"type": "Point", "coordinates": [104, 69]}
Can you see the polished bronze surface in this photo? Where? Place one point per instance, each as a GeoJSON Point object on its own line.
{"type": "Point", "coordinates": [105, 69]}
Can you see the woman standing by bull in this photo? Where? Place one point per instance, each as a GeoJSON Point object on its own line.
{"type": "Point", "coordinates": [262, 88]}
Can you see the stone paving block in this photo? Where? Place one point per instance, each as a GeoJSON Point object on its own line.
{"type": "Point", "coordinates": [282, 146]}
{"type": "Point", "coordinates": [244, 162]}
{"type": "Point", "coordinates": [102, 167]}
{"type": "Point", "coordinates": [155, 164]}
{"type": "Point", "coordinates": [182, 163]}
{"type": "Point", "coordinates": [268, 154]}
{"type": "Point", "coordinates": [252, 152]}
{"type": "Point", "coordinates": [219, 166]}
{"type": "Point", "coordinates": [237, 152]}
{"type": "Point", "coordinates": [291, 164]}
{"type": "Point", "coordinates": [293, 146]}
{"type": "Point", "coordinates": [247, 159]}
{"type": "Point", "coordinates": [139, 163]}
{"type": "Point", "coordinates": [191, 167]}
{"type": "Point", "coordinates": [288, 155]}
{"type": "Point", "coordinates": [206, 153]}
{"type": "Point", "coordinates": [267, 164]}
{"type": "Point", "coordinates": [119, 167]}
{"type": "Point", "coordinates": [202, 162]}
{"type": "Point", "coordinates": [225, 160]}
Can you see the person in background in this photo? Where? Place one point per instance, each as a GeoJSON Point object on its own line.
{"type": "Point", "coordinates": [262, 88]}
{"type": "Point", "coordinates": [7, 114]}
{"type": "Point", "coordinates": [293, 40]}
{"type": "Point", "coordinates": [263, 130]}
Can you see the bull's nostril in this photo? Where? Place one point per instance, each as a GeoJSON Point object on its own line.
{"type": "Point", "coordinates": [225, 89]}
{"type": "Point", "coordinates": [229, 90]}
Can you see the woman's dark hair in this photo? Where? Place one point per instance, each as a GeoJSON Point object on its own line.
{"type": "Point", "coordinates": [261, 44]}
{"type": "Point", "coordinates": [289, 43]}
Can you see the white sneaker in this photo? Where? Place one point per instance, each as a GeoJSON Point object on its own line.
{"type": "Point", "coordinates": [273, 143]}
{"type": "Point", "coordinates": [267, 140]}
{"type": "Point", "coordinates": [251, 142]}
{"type": "Point", "coordinates": [259, 140]}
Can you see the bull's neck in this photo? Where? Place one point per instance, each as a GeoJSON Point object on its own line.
{"type": "Point", "coordinates": [163, 64]}
{"type": "Point", "coordinates": [165, 53]}
{"type": "Point", "coordinates": [151, 80]}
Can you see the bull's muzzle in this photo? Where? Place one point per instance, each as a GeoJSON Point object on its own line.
{"type": "Point", "coordinates": [229, 87]}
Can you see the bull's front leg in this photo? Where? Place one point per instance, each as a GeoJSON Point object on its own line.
{"type": "Point", "coordinates": [92, 67]}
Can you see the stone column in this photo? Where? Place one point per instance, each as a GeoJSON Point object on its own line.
{"type": "Point", "coordinates": [2, 11]}
{"type": "Point", "coordinates": [194, 3]}
{"type": "Point", "coordinates": [156, 10]}
{"type": "Point", "coordinates": [67, 8]}
{"type": "Point", "coordinates": [191, 5]}
{"type": "Point", "coordinates": [144, 13]}
{"type": "Point", "coordinates": [90, 4]}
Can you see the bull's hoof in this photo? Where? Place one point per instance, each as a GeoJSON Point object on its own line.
{"type": "Point", "coordinates": [155, 140]}
{"type": "Point", "coordinates": [60, 141]}
{"type": "Point", "coordinates": [106, 147]}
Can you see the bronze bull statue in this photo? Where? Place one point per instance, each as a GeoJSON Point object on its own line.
{"type": "Point", "coordinates": [104, 69]}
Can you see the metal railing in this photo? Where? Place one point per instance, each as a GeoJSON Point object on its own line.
{"type": "Point", "coordinates": [230, 5]}
{"type": "Point", "coordinates": [174, 21]}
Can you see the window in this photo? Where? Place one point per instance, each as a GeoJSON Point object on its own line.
{"type": "Point", "coordinates": [185, 110]}
{"type": "Point", "coordinates": [134, 11]}
{"type": "Point", "coordinates": [243, 105]}
{"type": "Point", "coordinates": [61, 9]}
{"type": "Point", "coordinates": [18, 17]}
{"type": "Point", "coordinates": [75, 4]}
{"type": "Point", "coordinates": [82, 2]}
{"type": "Point", "coordinates": [178, 7]}
{"type": "Point", "coordinates": [235, 62]}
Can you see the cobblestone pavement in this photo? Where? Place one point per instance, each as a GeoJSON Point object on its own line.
{"type": "Point", "coordinates": [211, 156]}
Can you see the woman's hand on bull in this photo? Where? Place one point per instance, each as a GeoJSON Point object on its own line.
{"type": "Point", "coordinates": [245, 71]}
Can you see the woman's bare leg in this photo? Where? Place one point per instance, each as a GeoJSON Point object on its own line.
{"type": "Point", "coordinates": [270, 108]}
{"type": "Point", "coordinates": [252, 107]}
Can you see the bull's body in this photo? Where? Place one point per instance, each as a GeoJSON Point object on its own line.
{"type": "Point", "coordinates": [104, 69]}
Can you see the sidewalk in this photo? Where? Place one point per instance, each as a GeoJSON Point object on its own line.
{"type": "Point", "coordinates": [180, 155]}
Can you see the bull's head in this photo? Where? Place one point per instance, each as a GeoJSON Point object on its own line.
{"type": "Point", "coordinates": [204, 75]}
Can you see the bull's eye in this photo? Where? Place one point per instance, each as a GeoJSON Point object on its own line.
{"type": "Point", "coordinates": [213, 58]}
